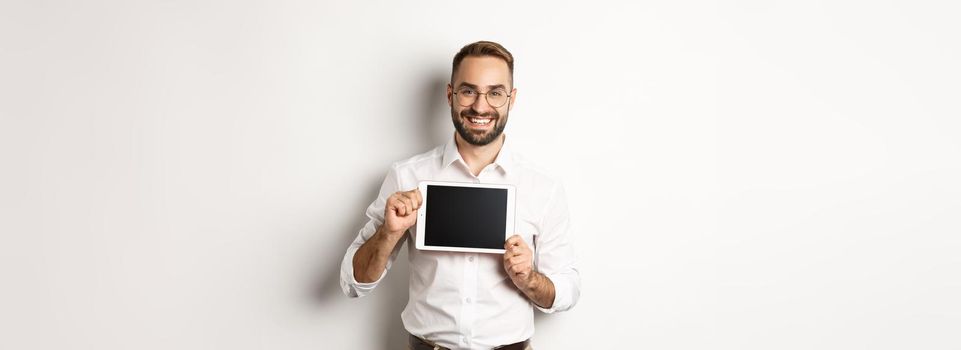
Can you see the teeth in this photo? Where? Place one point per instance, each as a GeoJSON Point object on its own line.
{"type": "Point", "coordinates": [479, 121]}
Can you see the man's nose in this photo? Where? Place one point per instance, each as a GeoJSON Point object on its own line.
{"type": "Point", "coordinates": [480, 104]}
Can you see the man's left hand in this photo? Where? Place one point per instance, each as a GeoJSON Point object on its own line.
{"type": "Point", "coordinates": [519, 262]}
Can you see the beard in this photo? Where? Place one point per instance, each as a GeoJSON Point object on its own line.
{"type": "Point", "coordinates": [472, 137]}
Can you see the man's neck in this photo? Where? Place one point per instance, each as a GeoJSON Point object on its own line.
{"type": "Point", "coordinates": [478, 157]}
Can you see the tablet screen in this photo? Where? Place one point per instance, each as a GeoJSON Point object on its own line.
{"type": "Point", "coordinates": [465, 217]}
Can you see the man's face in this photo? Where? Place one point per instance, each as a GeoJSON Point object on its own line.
{"type": "Point", "coordinates": [486, 79]}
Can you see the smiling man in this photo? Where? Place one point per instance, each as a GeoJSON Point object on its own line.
{"type": "Point", "coordinates": [472, 300]}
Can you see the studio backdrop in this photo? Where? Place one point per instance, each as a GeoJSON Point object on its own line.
{"type": "Point", "coordinates": [740, 174]}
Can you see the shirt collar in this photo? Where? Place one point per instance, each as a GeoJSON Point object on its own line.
{"type": "Point", "coordinates": [504, 159]}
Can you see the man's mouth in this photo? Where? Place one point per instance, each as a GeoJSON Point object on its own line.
{"type": "Point", "coordinates": [480, 122]}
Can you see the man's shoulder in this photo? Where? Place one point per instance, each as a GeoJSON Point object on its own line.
{"type": "Point", "coordinates": [535, 168]}
{"type": "Point", "coordinates": [420, 160]}
{"type": "Point", "coordinates": [535, 173]}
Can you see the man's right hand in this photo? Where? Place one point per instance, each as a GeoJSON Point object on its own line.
{"type": "Point", "coordinates": [400, 213]}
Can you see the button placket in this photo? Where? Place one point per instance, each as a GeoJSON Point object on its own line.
{"type": "Point", "coordinates": [469, 298]}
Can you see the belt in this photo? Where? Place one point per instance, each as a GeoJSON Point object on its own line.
{"type": "Point", "coordinates": [417, 343]}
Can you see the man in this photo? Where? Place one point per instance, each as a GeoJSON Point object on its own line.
{"type": "Point", "coordinates": [472, 300]}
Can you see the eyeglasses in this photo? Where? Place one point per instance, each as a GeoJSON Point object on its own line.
{"type": "Point", "coordinates": [467, 96]}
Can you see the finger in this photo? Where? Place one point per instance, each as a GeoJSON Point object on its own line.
{"type": "Point", "coordinates": [520, 242]}
{"type": "Point", "coordinates": [513, 259]}
{"type": "Point", "coordinates": [509, 250]}
{"type": "Point", "coordinates": [399, 204]}
{"type": "Point", "coordinates": [408, 205]}
{"type": "Point", "coordinates": [512, 267]}
{"type": "Point", "coordinates": [414, 204]}
{"type": "Point", "coordinates": [402, 199]}
{"type": "Point", "coordinates": [420, 198]}
{"type": "Point", "coordinates": [521, 248]}
{"type": "Point", "coordinates": [516, 260]}
{"type": "Point", "coordinates": [394, 205]}
{"type": "Point", "coordinates": [512, 241]}
{"type": "Point", "coordinates": [507, 255]}
{"type": "Point", "coordinates": [415, 199]}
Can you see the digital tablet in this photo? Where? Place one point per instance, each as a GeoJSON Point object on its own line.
{"type": "Point", "coordinates": [465, 217]}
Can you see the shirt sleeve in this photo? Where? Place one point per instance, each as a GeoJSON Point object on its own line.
{"type": "Point", "coordinates": [375, 216]}
{"type": "Point", "coordinates": [554, 253]}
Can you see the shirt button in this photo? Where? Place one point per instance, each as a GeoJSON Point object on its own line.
{"type": "Point", "coordinates": [470, 259]}
{"type": "Point", "coordinates": [468, 300]}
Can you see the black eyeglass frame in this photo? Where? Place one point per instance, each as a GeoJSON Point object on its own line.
{"type": "Point", "coordinates": [486, 98]}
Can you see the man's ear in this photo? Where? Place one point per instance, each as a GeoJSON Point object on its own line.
{"type": "Point", "coordinates": [510, 106]}
{"type": "Point", "coordinates": [450, 96]}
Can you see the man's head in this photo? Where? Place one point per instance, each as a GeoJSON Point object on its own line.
{"type": "Point", "coordinates": [481, 91]}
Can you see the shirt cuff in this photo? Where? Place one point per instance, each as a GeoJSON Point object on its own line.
{"type": "Point", "coordinates": [563, 294]}
{"type": "Point", "coordinates": [349, 284]}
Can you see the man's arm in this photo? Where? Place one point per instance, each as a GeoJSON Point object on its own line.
{"type": "Point", "coordinates": [554, 285]}
{"type": "Point", "coordinates": [518, 262]}
{"type": "Point", "coordinates": [371, 253]}
{"type": "Point", "coordinates": [371, 258]}
{"type": "Point", "coordinates": [400, 213]}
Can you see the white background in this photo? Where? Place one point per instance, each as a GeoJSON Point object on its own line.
{"type": "Point", "coordinates": [742, 175]}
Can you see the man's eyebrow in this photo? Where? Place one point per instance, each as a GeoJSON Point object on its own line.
{"type": "Point", "coordinates": [489, 87]}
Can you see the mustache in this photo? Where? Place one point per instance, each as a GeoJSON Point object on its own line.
{"type": "Point", "coordinates": [472, 113]}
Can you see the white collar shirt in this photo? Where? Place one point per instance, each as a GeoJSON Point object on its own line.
{"type": "Point", "coordinates": [466, 300]}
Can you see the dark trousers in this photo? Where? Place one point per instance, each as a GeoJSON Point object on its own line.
{"type": "Point", "coordinates": [415, 343]}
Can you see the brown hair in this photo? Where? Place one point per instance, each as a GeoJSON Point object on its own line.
{"type": "Point", "coordinates": [483, 48]}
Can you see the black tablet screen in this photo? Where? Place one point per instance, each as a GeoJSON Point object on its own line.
{"type": "Point", "coordinates": [467, 217]}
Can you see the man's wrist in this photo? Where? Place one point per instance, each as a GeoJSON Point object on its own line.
{"type": "Point", "coordinates": [391, 235]}
{"type": "Point", "coordinates": [534, 282]}
{"type": "Point", "coordinates": [540, 290]}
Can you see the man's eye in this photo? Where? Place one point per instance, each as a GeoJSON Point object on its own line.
{"type": "Point", "coordinates": [497, 93]}
{"type": "Point", "coordinates": [468, 92]}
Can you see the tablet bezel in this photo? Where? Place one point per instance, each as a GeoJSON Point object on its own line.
{"type": "Point", "coordinates": [422, 215]}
